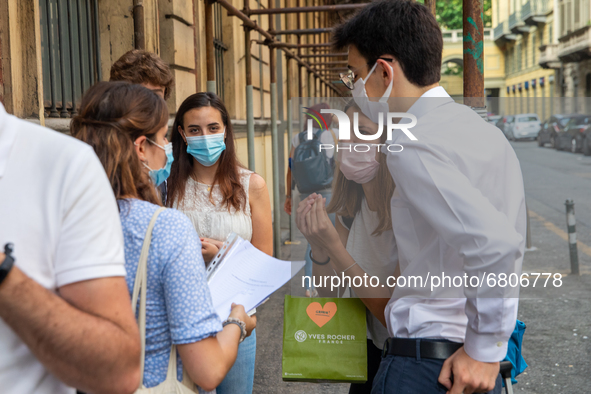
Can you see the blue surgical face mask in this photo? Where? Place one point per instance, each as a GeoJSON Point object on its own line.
{"type": "Point", "coordinates": [160, 175]}
{"type": "Point", "coordinates": [206, 149]}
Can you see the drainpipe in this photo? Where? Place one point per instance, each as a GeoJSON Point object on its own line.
{"type": "Point", "coordinates": [209, 48]}
{"type": "Point", "coordinates": [138, 24]}
{"type": "Point", "coordinates": [249, 96]}
{"type": "Point", "coordinates": [275, 147]}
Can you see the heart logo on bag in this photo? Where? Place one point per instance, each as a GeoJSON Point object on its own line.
{"type": "Point", "coordinates": [321, 315]}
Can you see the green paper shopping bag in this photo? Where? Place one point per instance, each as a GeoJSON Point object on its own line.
{"type": "Point", "coordinates": [324, 340]}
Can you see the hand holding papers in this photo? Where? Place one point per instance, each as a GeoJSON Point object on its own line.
{"type": "Point", "coordinates": [242, 274]}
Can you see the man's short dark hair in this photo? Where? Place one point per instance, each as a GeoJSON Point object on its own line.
{"type": "Point", "coordinates": [138, 66]}
{"type": "Point", "coordinates": [402, 28]}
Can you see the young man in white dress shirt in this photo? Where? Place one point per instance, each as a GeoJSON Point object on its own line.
{"type": "Point", "coordinates": [458, 208]}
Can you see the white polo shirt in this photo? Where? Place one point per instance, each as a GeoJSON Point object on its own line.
{"type": "Point", "coordinates": [58, 208]}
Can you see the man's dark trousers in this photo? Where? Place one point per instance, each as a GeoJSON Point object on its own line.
{"type": "Point", "coordinates": [410, 375]}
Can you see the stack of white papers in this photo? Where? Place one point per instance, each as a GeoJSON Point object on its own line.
{"type": "Point", "coordinates": [244, 275]}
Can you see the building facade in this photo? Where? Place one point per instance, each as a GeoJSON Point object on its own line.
{"type": "Point", "coordinates": [53, 50]}
{"type": "Point", "coordinates": [521, 28]}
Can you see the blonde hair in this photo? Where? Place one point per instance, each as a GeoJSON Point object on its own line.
{"type": "Point", "coordinates": [348, 195]}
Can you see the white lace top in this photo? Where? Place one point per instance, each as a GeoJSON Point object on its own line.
{"type": "Point", "coordinates": [214, 220]}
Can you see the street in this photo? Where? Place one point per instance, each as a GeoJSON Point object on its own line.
{"type": "Point", "coordinates": [557, 341]}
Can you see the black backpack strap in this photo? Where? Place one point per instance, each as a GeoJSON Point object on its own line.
{"type": "Point", "coordinates": [315, 135]}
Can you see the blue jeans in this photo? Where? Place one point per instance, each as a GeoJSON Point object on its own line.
{"type": "Point", "coordinates": [409, 375]}
{"type": "Point", "coordinates": [240, 379]}
{"type": "Point", "coordinates": [308, 268]}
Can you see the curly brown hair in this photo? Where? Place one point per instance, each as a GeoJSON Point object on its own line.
{"type": "Point", "coordinates": [138, 66]}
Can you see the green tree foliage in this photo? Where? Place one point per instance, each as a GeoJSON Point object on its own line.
{"type": "Point", "coordinates": [449, 13]}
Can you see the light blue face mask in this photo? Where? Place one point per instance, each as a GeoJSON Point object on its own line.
{"type": "Point", "coordinates": [206, 149]}
{"type": "Point", "coordinates": [159, 176]}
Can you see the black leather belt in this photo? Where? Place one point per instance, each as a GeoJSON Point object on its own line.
{"type": "Point", "coordinates": [408, 347]}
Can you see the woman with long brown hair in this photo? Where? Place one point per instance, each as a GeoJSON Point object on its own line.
{"type": "Point", "coordinates": [208, 184]}
{"type": "Point", "coordinates": [127, 125]}
{"type": "Point", "coordinates": [362, 241]}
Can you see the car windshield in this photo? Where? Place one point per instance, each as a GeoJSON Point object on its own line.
{"type": "Point", "coordinates": [563, 121]}
{"type": "Point", "coordinates": [523, 119]}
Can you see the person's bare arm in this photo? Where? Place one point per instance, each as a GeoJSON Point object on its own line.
{"type": "Point", "coordinates": [260, 208]}
{"type": "Point", "coordinates": [209, 360]}
{"type": "Point", "coordinates": [88, 339]}
{"type": "Point", "coordinates": [320, 254]}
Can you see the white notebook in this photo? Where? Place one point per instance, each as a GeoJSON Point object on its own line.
{"type": "Point", "coordinates": [242, 274]}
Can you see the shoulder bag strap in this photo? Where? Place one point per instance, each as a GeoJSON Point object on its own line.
{"type": "Point", "coordinates": [334, 137]}
{"type": "Point", "coordinates": [141, 282]}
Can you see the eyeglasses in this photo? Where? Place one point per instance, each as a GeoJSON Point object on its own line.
{"type": "Point", "coordinates": [348, 78]}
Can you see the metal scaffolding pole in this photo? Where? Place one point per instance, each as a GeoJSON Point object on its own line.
{"type": "Point", "coordinates": [344, 54]}
{"type": "Point", "coordinates": [299, 47]}
{"type": "Point", "coordinates": [474, 55]}
{"type": "Point", "coordinates": [324, 44]}
{"type": "Point", "coordinates": [249, 97]}
{"type": "Point", "coordinates": [335, 63]}
{"type": "Point", "coordinates": [275, 150]}
{"type": "Point", "coordinates": [301, 31]}
{"type": "Point", "coordinates": [294, 10]}
{"type": "Point", "coordinates": [289, 119]}
{"type": "Point", "coordinates": [261, 77]}
{"type": "Point", "coordinates": [270, 39]}
{"type": "Point", "coordinates": [209, 48]}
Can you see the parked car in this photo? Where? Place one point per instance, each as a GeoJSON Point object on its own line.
{"type": "Point", "coordinates": [505, 123]}
{"type": "Point", "coordinates": [526, 126]}
{"type": "Point", "coordinates": [493, 119]}
{"type": "Point", "coordinates": [587, 142]}
{"type": "Point", "coordinates": [553, 125]}
{"type": "Point", "coordinates": [571, 138]}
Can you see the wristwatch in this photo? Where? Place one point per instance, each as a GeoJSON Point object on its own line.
{"type": "Point", "coordinates": [8, 262]}
{"type": "Point", "coordinates": [239, 323]}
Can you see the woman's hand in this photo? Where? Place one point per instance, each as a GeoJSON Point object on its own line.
{"type": "Point", "coordinates": [209, 250]}
{"type": "Point", "coordinates": [217, 243]}
{"type": "Point", "coordinates": [313, 221]}
{"type": "Point", "coordinates": [239, 313]}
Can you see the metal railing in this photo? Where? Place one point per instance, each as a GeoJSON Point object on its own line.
{"type": "Point", "coordinates": [535, 7]}
{"type": "Point", "coordinates": [500, 30]}
{"type": "Point", "coordinates": [69, 53]}
{"type": "Point", "coordinates": [452, 36]}
{"type": "Point", "coordinates": [514, 19]}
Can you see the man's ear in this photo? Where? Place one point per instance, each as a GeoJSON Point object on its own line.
{"type": "Point", "coordinates": [140, 148]}
{"type": "Point", "coordinates": [388, 70]}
